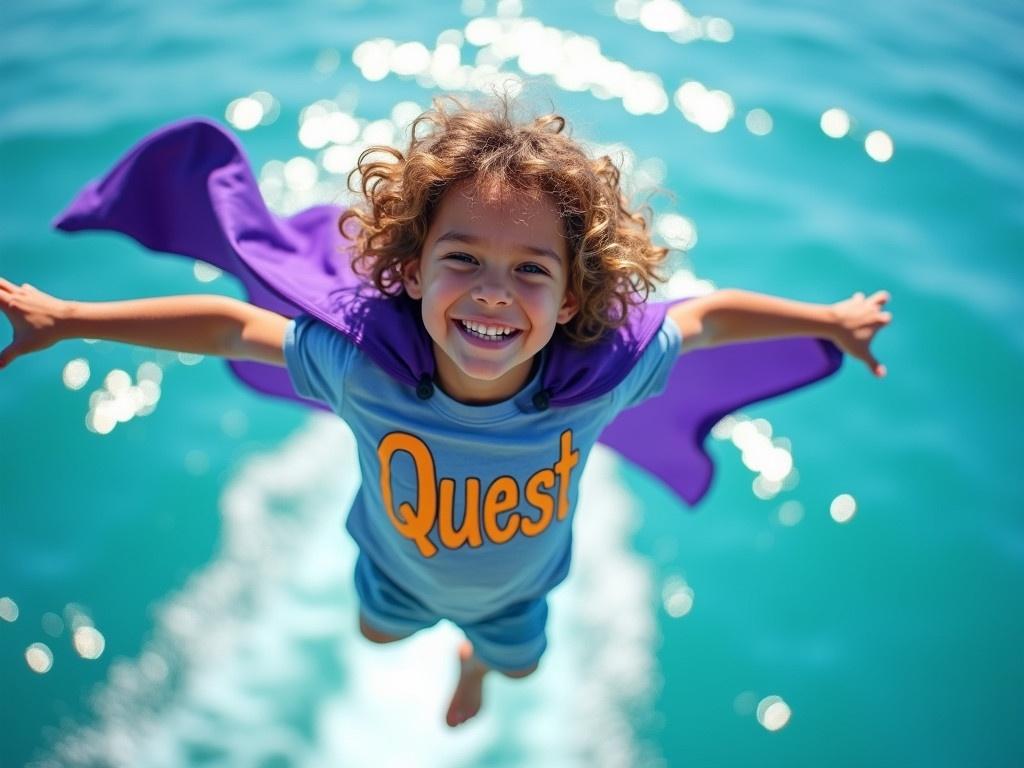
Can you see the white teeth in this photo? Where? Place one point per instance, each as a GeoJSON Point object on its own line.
{"type": "Point", "coordinates": [489, 331]}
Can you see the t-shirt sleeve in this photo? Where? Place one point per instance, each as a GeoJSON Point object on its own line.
{"type": "Point", "coordinates": [650, 375]}
{"type": "Point", "coordinates": [317, 357]}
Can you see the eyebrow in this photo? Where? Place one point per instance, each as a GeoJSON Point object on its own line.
{"type": "Point", "coordinates": [467, 239]}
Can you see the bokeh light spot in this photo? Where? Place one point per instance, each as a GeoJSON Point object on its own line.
{"type": "Point", "coordinates": [205, 273]}
{"type": "Point", "coordinates": [508, 9]}
{"type": "Point", "coordinates": [843, 508]}
{"type": "Point", "coordinates": [718, 30]}
{"type": "Point", "coordinates": [878, 145]}
{"type": "Point", "coordinates": [628, 10]}
{"type": "Point", "coordinates": [410, 59]}
{"type": "Point", "coordinates": [677, 597]}
{"type": "Point", "coordinates": [189, 358]}
{"type": "Point", "coordinates": [153, 666]}
{"type": "Point", "coordinates": [662, 15]}
{"type": "Point", "coordinates": [76, 616]}
{"type": "Point", "coordinates": [8, 609]}
{"type": "Point", "coordinates": [117, 381]}
{"type": "Point", "coordinates": [677, 231]}
{"type": "Point", "coordinates": [327, 61]}
{"type": "Point", "coordinates": [235, 423]}
{"type": "Point", "coordinates": [149, 371]}
{"type": "Point", "coordinates": [482, 31]}
{"type": "Point", "coordinates": [76, 373]}
{"type": "Point", "coordinates": [759, 122]}
{"type": "Point", "coordinates": [244, 113]}
{"type": "Point", "coordinates": [342, 128]}
{"type": "Point", "coordinates": [373, 58]}
{"type": "Point", "coordinates": [773, 713]}
{"type": "Point", "coordinates": [835, 123]}
{"type": "Point", "coordinates": [52, 624]}
{"type": "Point", "coordinates": [300, 174]}
{"type": "Point", "coordinates": [711, 110]}
{"type": "Point", "coordinates": [791, 512]}
{"type": "Point", "coordinates": [89, 642]}
{"type": "Point", "coordinates": [744, 703]}
{"type": "Point", "coordinates": [39, 658]}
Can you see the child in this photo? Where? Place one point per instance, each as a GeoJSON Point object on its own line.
{"type": "Point", "coordinates": [513, 253]}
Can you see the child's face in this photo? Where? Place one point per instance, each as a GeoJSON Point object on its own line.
{"type": "Point", "coordinates": [492, 275]}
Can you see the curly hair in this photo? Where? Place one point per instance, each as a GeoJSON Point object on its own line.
{"type": "Point", "coordinates": [613, 265]}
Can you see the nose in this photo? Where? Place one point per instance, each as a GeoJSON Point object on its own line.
{"type": "Point", "coordinates": [492, 291]}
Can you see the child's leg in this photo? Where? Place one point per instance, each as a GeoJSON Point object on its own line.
{"type": "Point", "coordinates": [511, 643]}
{"type": "Point", "coordinates": [386, 612]}
{"type": "Point", "coordinates": [374, 635]}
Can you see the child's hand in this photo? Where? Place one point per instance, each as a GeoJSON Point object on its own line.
{"type": "Point", "coordinates": [34, 316]}
{"type": "Point", "coordinates": [857, 320]}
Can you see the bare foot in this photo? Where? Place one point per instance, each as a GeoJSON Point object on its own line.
{"type": "Point", "coordinates": [468, 694]}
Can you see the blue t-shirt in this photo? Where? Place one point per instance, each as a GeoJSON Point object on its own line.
{"type": "Point", "coordinates": [468, 508]}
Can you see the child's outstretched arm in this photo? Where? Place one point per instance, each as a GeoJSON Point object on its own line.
{"type": "Point", "coordinates": [729, 316]}
{"type": "Point", "coordinates": [208, 325]}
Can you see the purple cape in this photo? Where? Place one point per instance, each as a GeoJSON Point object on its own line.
{"type": "Point", "coordinates": [188, 189]}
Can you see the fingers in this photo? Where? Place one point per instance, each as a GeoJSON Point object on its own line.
{"type": "Point", "coordinates": [876, 367]}
{"type": "Point", "coordinates": [8, 354]}
{"type": "Point", "coordinates": [6, 286]}
{"type": "Point", "coordinates": [6, 300]}
{"type": "Point", "coordinates": [879, 297]}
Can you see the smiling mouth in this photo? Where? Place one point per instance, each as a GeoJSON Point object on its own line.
{"type": "Point", "coordinates": [490, 333]}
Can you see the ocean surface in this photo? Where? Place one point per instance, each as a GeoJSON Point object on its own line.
{"type": "Point", "coordinates": [175, 581]}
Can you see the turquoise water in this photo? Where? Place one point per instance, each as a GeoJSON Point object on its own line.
{"type": "Point", "coordinates": [203, 540]}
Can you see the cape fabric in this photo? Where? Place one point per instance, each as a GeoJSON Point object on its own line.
{"type": "Point", "coordinates": [188, 189]}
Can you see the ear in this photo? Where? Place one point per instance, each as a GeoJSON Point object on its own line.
{"type": "Point", "coordinates": [411, 279]}
{"type": "Point", "coordinates": [570, 306]}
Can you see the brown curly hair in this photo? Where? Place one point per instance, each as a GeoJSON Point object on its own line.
{"type": "Point", "coordinates": [613, 265]}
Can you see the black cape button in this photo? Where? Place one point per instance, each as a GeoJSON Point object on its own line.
{"type": "Point", "coordinates": [542, 400]}
{"type": "Point", "coordinates": [425, 388]}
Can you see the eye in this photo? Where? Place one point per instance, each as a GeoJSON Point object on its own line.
{"type": "Point", "coordinates": [533, 269]}
{"type": "Point", "coordinates": [461, 257]}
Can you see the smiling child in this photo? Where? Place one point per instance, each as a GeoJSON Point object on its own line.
{"type": "Point", "coordinates": [515, 251]}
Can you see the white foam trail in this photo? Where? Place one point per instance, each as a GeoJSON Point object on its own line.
{"type": "Point", "coordinates": [257, 660]}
